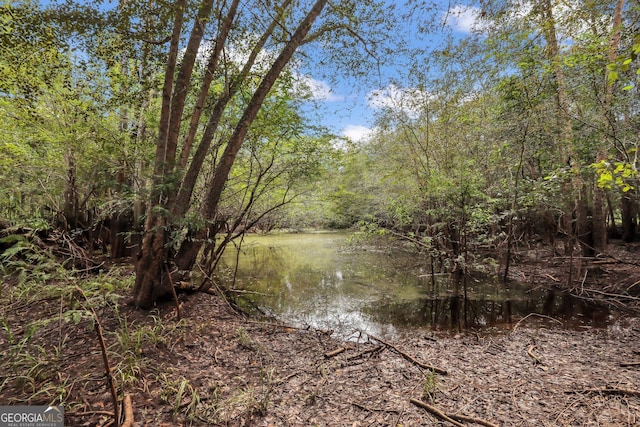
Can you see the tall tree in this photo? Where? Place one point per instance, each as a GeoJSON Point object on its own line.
{"type": "Point", "coordinates": [177, 172]}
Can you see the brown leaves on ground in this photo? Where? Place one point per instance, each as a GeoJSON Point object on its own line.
{"type": "Point", "coordinates": [214, 367]}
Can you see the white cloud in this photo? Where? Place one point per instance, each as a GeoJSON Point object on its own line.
{"type": "Point", "coordinates": [357, 133]}
{"type": "Point", "coordinates": [407, 100]}
{"type": "Point", "coordinates": [318, 90]}
{"type": "Point", "coordinates": [464, 19]}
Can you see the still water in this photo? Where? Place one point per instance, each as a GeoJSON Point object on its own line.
{"type": "Point", "coordinates": [323, 281]}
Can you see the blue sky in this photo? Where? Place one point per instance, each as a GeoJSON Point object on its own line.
{"type": "Point", "coordinates": [349, 109]}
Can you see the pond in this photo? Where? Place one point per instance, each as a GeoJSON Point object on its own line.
{"type": "Point", "coordinates": [323, 281]}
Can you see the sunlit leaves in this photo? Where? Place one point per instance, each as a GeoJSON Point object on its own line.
{"type": "Point", "coordinates": [618, 175]}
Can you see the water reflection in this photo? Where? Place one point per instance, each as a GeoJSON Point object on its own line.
{"type": "Point", "coordinates": [317, 280]}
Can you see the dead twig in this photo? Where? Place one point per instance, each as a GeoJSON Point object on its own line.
{"type": "Point", "coordinates": [533, 314]}
{"type": "Point", "coordinates": [410, 358]}
{"type": "Point", "coordinates": [372, 351]}
{"type": "Point", "coordinates": [128, 412]}
{"type": "Point", "coordinates": [473, 420]}
{"type": "Point", "coordinates": [628, 364]}
{"type": "Point", "coordinates": [334, 353]}
{"type": "Point", "coordinates": [173, 292]}
{"type": "Point", "coordinates": [105, 358]}
{"type": "Point", "coordinates": [535, 357]}
{"type": "Point", "coordinates": [366, 408]}
{"type": "Point", "coordinates": [608, 294]}
{"type": "Point", "coordinates": [617, 391]}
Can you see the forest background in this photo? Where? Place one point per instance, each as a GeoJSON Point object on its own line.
{"type": "Point", "coordinates": [146, 129]}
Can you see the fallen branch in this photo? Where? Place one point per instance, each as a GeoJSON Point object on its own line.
{"type": "Point", "coordinates": [471, 420]}
{"type": "Point", "coordinates": [608, 294]}
{"type": "Point", "coordinates": [105, 358]}
{"type": "Point", "coordinates": [627, 364]}
{"type": "Point", "coordinates": [435, 411]}
{"type": "Point", "coordinates": [410, 358]}
{"type": "Point", "coordinates": [452, 418]}
{"type": "Point", "coordinates": [619, 391]}
{"type": "Point", "coordinates": [334, 352]}
{"type": "Point", "coordinates": [533, 355]}
{"type": "Point", "coordinates": [128, 412]}
{"type": "Point", "coordinates": [534, 314]}
{"type": "Point", "coordinates": [372, 351]}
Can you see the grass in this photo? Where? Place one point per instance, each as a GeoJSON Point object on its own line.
{"type": "Point", "coordinates": [41, 311]}
{"type": "Point", "coordinates": [430, 386]}
{"type": "Point", "coordinates": [49, 351]}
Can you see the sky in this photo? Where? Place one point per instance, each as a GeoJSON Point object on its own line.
{"type": "Point", "coordinates": [349, 110]}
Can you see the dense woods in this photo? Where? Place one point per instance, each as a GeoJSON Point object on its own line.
{"type": "Point", "coordinates": [155, 134]}
{"type": "Point", "coordinates": [149, 129]}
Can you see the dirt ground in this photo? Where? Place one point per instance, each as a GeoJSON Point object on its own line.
{"type": "Point", "coordinates": [214, 367]}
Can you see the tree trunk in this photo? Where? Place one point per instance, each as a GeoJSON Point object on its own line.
{"type": "Point", "coordinates": [599, 217]}
{"type": "Point", "coordinates": [71, 199]}
{"type": "Point", "coordinates": [151, 262]}
{"type": "Point", "coordinates": [599, 221]}
{"type": "Point", "coordinates": [215, 186]}
{"type": "Point", "coordinates": [183, 198]}
{"type": "Point", "coordinates": [629, 210]}
{"type": "Point", "coordinates": [584, 227]}
{"type": "Point", "coordinates": [151, 281]}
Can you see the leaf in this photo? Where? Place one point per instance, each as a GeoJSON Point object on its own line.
{"type": "Point", "coordinates": [76, 317]}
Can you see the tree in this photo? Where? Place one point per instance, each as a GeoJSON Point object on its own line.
{"type": "Point", "coordinates": [178, 172]}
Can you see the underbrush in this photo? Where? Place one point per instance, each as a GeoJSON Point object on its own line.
{"type": "Point", "coordinates": [54, 319]}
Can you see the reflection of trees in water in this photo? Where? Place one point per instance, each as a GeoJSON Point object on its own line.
{"type": "Point", "coordinates": [455, 312]}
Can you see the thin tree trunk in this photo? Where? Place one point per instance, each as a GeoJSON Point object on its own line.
{"type": "Point", "coordinates": [212, 65]}
{"type": "Point", "coordinates": [183, 200]}
{"type": "Point", "coordinates": [599, 219]}
{"type": "Point", "coordinates": [629, 217]}
{"type": "Point", "coordinates": [182, 83]}
{"type": "Point", "coordinates": [216, 185]}
{"type": "Point", "coordinates": [566, 146]}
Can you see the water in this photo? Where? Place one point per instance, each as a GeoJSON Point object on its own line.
{"type": "Point", "coordinates": [320, 280]}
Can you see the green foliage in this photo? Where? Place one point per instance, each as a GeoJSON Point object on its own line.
{"type": "Point", "coordinates": [615, 175]}
{"type": "Point", "coordinates": [430, 386]}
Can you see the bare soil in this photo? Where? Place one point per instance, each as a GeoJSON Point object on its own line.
{"type": "Point", "coordinates": [215, 367]}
